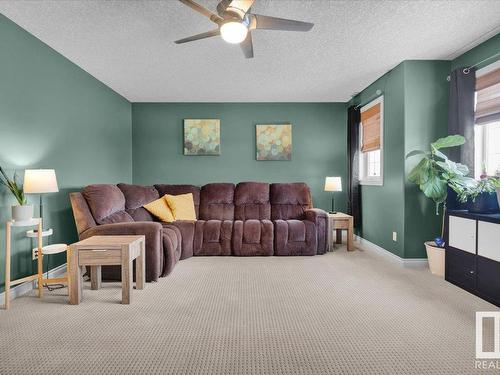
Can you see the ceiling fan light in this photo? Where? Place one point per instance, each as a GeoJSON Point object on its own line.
{"type": "Point", "coordinates": [233, 32]}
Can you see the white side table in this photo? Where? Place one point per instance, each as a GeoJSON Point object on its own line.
{"type": "Point", "coordinates": [50, 250]}
{"type": "Point", "coordinates": [38, 276]}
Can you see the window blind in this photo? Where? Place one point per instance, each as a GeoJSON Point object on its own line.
{"type": "Point", "coordinates": [488, 97]}
{"type": "Point", "coordinates": [370, 123]}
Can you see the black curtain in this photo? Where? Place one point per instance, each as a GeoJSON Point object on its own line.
{"type": "Point", "coordinates": [353, 188]}
{"type": "Point", "coordinates": [461, 114]}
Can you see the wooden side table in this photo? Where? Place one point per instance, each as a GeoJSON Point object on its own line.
{"type": "Point", "coordinates": [99, 251]}
{"type": "Point", "coordinates": [37, 276]}
{"type": "Point", "coordinates": [338, 222]}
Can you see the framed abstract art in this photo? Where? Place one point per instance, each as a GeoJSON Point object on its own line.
{"type": "Point", "coordinates": [274, 142]}
{"type": "Point", "coordinates": [201, 137]}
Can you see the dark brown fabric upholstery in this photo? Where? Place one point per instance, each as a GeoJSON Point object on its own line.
{"type": "Point", "coordinates": [212, 237]}
{"type": "Point", "coordinates": [321, 222]}
{"type": "Point", "coordinates": [181, 189]}
{"type": "Point", "coordinates": [186, 229]}
{"type": "Point", "coordinates": [106, 203]}
{"type": "Point", "coordinates": [294, 237]}
{"type": "Point", "coordinates": [137, 196]}
{"type": "Point", "coordinates": [81, 212]}
{"type": "Point", "coordinates": [217, 202]}
{"type": "Point", "coordinates": [289, 200]}
{"type": "Point", "coordinates": [253, 238]}
{"type": "Point", "coordinates": [251, 201]}
{"type": "Point", "coordinates": [234, 220]}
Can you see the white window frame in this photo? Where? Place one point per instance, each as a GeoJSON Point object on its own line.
{"type": "Point", "coordinates": [481, 131]}
{"type": "Point", "coordinates": [363, 156]}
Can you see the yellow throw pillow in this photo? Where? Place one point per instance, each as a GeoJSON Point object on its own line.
{"type": "Point", "coordinates": [182, 206]}
{"type": "Point", "coordinates": [161, 210]}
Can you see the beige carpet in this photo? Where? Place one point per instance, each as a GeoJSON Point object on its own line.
{"type": "Point", "coordinates": [339, 313]}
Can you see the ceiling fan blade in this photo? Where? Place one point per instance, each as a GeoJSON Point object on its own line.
{"type": "Point", "coordinates": [273, 23]}
{"type": "Point", "coordinates": [207, 34]}
{"type": "Point", "coordinates": [247, 46]}
{"type": "Point", "coordinates": [198, 8]}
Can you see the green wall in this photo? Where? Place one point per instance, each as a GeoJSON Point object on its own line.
{"type": "Point", "coordinates": [426, 119]}
{"type": "Point", "coordinates": [479, 53]}
{"type": "Point", "coordinates": [382, 206]}
{"type": "Point", "coordinates": [318, 134]}
{"type": "Point", "coordinates": [55, 115]}
{"type": "Point", "coordinates": [415, 113]}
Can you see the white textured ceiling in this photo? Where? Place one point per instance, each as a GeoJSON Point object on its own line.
{"type": "Point", "coordinates": [129, 46]}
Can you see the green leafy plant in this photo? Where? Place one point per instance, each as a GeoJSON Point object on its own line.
{"type": "Point", "coordinates": [435, 172]}
{"type": "Point", "coordinates": [15, 187]}
{"type": "Point", "coordinates": [485, 185]}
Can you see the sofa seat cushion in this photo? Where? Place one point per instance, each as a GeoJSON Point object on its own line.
{"type": "Point", "coordinates": [253, 238]}
{"type": "Point", "coordinates": [212, 237]}
{"type": "Point", "coordinates": [107, 204]}
{"type": "Point", "coordinates": [171, 249]}
{"type": "Point", "coordinates": [186, 229]}
{"type": "Point", "coordinates": [294, 237]}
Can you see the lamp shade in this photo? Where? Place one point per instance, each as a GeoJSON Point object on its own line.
{"type": "Point", "coordinates": [38, 181]}
{"type": "Point", "coordinates": [333, 184]}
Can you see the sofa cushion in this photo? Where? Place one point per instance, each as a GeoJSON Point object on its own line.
{"type": "Point", "coordinates": [186, 229]}
{"type": "Point", "coordinates": [212, 237]}
{"type": "Point", "coordinates": [181, 189]}
{"type": "Point", "coordinates": [182, 206]}
{"type": "Point", "coordinates": [136, 196]}
{"type": "Point", "coordinates": [253, 238]}
{"type": "Point", "coordinates": [107, 203]}
{"type": "Point", "coordinates": [289, 200]}
{"type": "Point", "coordinates": [251, 201]}
{"type": "Point", "coordinates": [216, 202]}
{"type": "Point", "coordinates": [160, 209]}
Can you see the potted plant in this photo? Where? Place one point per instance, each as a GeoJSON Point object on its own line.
{"type": "Point", "coordinates": [23, 211]}
{"type": "Point", "coordinates": [433, 174]}
{"type": "Point", "coordinates": [482, 197]}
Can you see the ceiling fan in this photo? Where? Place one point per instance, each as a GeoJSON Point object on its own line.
{"type": "Point", "coordinates": [235, 22]}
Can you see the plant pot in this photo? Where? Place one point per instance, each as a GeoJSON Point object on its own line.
{"type": "Point", "coordinates": [485, 203]}
{"type": "Point", "coordinates": [22, 213]}
{"type": "Point", "coordinates": [435, 256]}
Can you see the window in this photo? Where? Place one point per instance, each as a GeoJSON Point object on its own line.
{"type": "Point", "coordinates": [487, 119]}
{"type": "Point", "coordinates": [371, 142]}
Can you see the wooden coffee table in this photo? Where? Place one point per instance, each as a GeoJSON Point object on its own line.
{"type": "Point", "coordinates": [100, 251]}
{"type": "Point", "coordinates": [338, 222]}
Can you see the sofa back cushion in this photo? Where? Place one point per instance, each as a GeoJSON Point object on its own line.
{"type": "Point", "coordinates": [217, 202]}
{"type": "Point", "coordinates": [137, 196]}
{"type": "Point", "coordinates": [251, 201]}
{"type": "Point", "coordinates": [107, 204]}
{"type": "Point", "coordinates": [181, 189]}
{"type": "Point", "coordinates": [289, 200]}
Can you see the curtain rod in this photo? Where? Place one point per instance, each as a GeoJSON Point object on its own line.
{"type": "Point", "coordinates": [467, 69]}
{"type": "Point", "coordinates": [377, 93]}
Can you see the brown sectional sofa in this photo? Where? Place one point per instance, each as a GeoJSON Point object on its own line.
{"type": "Point", "coordinates": [247, 219]}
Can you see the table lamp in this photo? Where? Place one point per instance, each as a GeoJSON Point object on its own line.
{"type": "Point", "coordinates": [333, 184]}
{"type": "Point", "coordinates": [40, 181]}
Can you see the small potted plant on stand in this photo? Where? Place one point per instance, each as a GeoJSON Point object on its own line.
{"type": "Point", "coordinates": [23, 211]}
{"type": "Point", "coordinates": [433, 174]}
{"type": "Point", "coordinates": [482, 197]}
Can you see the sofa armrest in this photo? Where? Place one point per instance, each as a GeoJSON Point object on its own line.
{"type": "Point", "coordinates": [151, 230]}
{"type": "Point", "coordinates": [320, 218]}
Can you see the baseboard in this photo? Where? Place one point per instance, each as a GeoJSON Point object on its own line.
{"type": "Point", "coordinates": [405, 262]}
{"type": "Point", "coordinates": [24, 288]}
